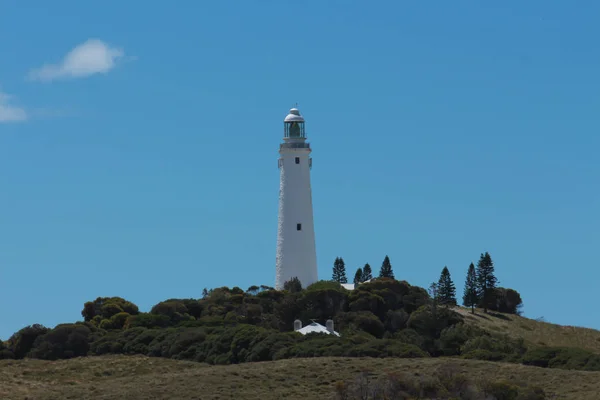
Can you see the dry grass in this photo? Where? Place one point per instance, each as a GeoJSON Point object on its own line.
{"type": "Point", "coordinates": [534, 332]}
{"type": "Point", "coordinates": [139, 377]}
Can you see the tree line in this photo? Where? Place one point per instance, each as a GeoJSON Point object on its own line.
{"type": "Point", "coordinates": [480, 290]}
{"type": "Point", "coordinates": [364, 274]}
{"type": "Point", "coordinates": [384, 317]}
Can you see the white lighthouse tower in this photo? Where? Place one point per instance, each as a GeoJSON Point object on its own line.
{"type": "Point", "coordinates": [296, 254]}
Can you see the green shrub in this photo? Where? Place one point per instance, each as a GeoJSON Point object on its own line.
{"type": "Point", "coordinates": [21, 343]}
{"type": "Point", "coordinates": [137, 340]}
{"type": "Point", "coordinates": [484, 355]}
{"type": "Point", "coordinates": [501, 390]}
{"type": "Point", "coordinates": [326, 285]}
{"type": "Point", "coordinates": [453, 338]}
{"type": "Point", "coordinates": [267, 348]}
{"type": "Point", "coordinates": [562, 357]}
{"type": "Point", "coordinates": [106, 307]}
{"type": "Point", "coordinates": [364, 321]}
{"type": "Point", "coordinates": [410, 336]}
{"type": "Point", "coordinates": [395, 320]}
{"type": "Point", "coordinates": [147, 320]}
{"type": "Point", "coordinates": [494, 348]}
{"type": "Point", "coordinates": [64, 341]}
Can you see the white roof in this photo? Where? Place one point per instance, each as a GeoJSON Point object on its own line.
{"type": "Point", "coordinates": [351, 286]}
{"type": "Point", "coordinates": [294, 115]}
{"type": "Point", "coordinates": [315, 327]}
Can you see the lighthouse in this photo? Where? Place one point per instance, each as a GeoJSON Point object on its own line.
{"type": "Point", "coordinates": [296, 253]}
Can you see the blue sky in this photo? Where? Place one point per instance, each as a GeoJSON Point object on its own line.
{"type": "Point", "coordinates": [138, 146]}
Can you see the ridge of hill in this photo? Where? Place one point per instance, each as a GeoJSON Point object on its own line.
{"type": "Point", "coordinates": [535, 332]}
{"type": "Point", "coordinates": [141, 377]}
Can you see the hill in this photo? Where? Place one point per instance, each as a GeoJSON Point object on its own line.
{"type": "Point", "coordinates": [538, 333]}
{"type": "Point", "coordinates": [232, 340]}
{"type": "Point", "coordinates": [140, 377]}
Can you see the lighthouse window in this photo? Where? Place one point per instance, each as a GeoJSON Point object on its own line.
{"type": "Point", "coordinates": [297, 160]}
{"type": "Point", "coordinates": [298, 227]}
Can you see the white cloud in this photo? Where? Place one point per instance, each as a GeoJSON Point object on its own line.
{"type": "Point", "coordinates": [89, 58]}
{"type": "Point", "coordinates": [9, 113]}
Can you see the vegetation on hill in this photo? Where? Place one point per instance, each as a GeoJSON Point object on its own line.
{"type": "Point", "coordinates": [381, 318]}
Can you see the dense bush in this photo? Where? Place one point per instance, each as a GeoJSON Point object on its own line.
{"type": "Point", "coordinates": [244, 343]}
{"type": "Point", "coordinates": [105, 307]}
{"type": "Point", "coordinates": [562, 357]}
{"type": "Point", "coordinates": [505, 300]}
{"type": "Point", "coordinates": [21, 343]}
{"type": "Point", "coordinates": [430, 322]}
{"type": "Point", "coordinates": [445, 383]}
{"type": "Point", "coordinates": [64, 341]}
{"type": "Point", "coordinates": [494, 348]}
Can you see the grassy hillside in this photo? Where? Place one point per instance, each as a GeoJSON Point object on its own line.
{"type": "Point", "coordinates": [139, 377]}
{"type": "Point", "coordinates": [384, 318]}
{"type": "Point", "coordinates": [534, 332]}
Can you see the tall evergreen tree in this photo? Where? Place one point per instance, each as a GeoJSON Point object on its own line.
{"type": "Point", "coordinates": [358, 276]}
{"type": "Point", "coordinates": [386, 269]}
{"type": "Point", "coordinates": [486, 280]}
{"type": "Point", "coordinates": [446, 289]}
{"type": "Point", "coordinates": [339, 270]}
{"type": "Point", "coordinates": [367, 274]}
{"type": "Point", "coordinates": [470, 295]}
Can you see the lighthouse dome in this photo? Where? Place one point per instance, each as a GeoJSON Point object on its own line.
{"type": "Point", "coordinates": [294, 116]}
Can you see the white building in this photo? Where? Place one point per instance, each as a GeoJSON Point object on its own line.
{"type": "Point", "coordinates": [351, 286]}
{"type": "Point", "coordinates": [296, 253]}
{"type": "Point", "coordinates": [315, 327]}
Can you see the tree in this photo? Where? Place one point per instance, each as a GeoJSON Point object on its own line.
{"type": "Point", "coordinates": [64, 341]}
{"type": "Point", "coordinates": [486, 280]}
{"type": "Point", "coordinates": [106, 307]}
{"type": "Point", "coordinates": [434, 292]}
{"type": "Point", "coordinates": [21, 342]}
{"type": "Point", "coordinates": [358, 276]}
{"type": "Point", "coordinates": [253, 290]}
{"type": "Point", "coordinates": [293, 285]}
{"type": "Point", "coordinates": [446, 289]}
{"type": "Point", "coordinates": [367, 274]}
{"type": "Point", "coordinates": [339, 270]}
{"type": "Point", "coordinates": [386, 269]}
{"type": "Point", "coordinates": [507, 301]}
{"type": "Point", "coordinates": [470, 296]}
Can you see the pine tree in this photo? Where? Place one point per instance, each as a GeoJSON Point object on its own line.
{"type": "Point", "coordinates": [339, 271]}
{"type": "Point", "coordinates": [434, 292]}
{"type": "Point", "coordinates": [486, 280]}
{"type": "Point", "coordinates": [293, 285]}
{"type": "Point", "coordinates": [470, 296]}
{"type": "Point", "coordinates": [358, 276]}
{"type": "Point", "coordinates": [386, 269]}
{"type": "Point", "coordinates": [446, 289]}
{"type": "Point", "coordinates": [367, 274]}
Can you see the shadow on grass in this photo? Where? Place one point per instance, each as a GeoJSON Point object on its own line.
{"type": "Point", "coordinates": [499, 316]}
{"type": "Point", "coordinates": [488, 315]}
{"type": "Point", "coordinates": [479, 315]}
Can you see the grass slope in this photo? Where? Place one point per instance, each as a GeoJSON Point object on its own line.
{"type": "Point", "coordinates": [139, 377]}
{"type": "Point", "coordinates": [534, 332]}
